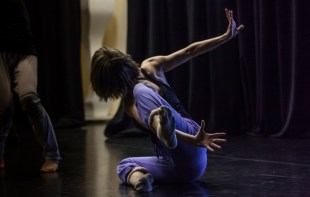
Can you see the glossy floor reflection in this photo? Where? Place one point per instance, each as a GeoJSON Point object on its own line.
{"type": "Point", "coordinates": [246, 166]}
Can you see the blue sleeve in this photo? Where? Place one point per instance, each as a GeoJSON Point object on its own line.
{"type": "Point", "coordinates": [146, 101]}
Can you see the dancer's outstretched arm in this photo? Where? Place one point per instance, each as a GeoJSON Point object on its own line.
{"type": "Point", "coordinates": [179, 57]}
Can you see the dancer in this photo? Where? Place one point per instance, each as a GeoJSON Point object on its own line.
{"type": "Point", "coordinates": [180, 143]}
{"type": "Point", "coordinates": [18, 73]}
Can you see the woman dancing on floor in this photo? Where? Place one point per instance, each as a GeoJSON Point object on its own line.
{"type": "Point", "coordinates": [180, 143]}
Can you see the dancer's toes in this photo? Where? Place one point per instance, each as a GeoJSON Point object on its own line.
{"type": "Point", "coordinates": [165, 114]}
{"type": "Point", "coordinates": [50, 166]}
{"type": "Point", "coordinates": [145, 183]}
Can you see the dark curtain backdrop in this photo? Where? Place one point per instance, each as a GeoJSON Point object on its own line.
{"type": "Point", "coordinates": [56, 30]}
{"type": "Point", "coordinates": [257, 83]}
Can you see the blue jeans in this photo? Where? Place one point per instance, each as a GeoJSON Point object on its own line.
{"type": "Point", "coordinates": [18, 73]}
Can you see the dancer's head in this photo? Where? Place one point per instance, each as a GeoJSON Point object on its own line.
{"type": "Point", "coordinates": [112, 73]}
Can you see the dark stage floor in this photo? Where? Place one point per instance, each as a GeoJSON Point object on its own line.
{"type": "Point", "coordinates": [246, 166]}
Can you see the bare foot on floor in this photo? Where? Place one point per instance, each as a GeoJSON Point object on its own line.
{"type": "Point", "coordinates": [50, 166]}
{"type": "Point", "coordinates": [144, 183]}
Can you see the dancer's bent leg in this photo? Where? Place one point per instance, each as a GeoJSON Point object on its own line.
{"type": "Point", "coordinates": [163, 124]}
{"type": "Point", "coordinates": [6, 104]}
{"type": "Point", "coordinates": [25, 80]}
{"type": "Point", "coordinates": [5, 126]}
{"type": "Point", "coordinates": [43, 130]}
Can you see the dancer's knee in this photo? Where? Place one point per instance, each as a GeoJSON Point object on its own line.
{"type": "Point", "coordinates": [31, 104]}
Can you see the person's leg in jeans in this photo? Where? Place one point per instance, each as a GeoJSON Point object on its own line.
{"type": "Point", "coordinates": [25, 85]}
{"type": "Point", "coordinates": [6, 105]}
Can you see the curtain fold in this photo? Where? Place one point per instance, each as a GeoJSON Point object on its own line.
{"type": "Point", "coordinates": [280, 76]}
{"type": "Point", "coordinates": [56, 30]}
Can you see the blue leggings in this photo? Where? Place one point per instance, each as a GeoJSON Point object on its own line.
{"type": "Point", "coordinates": [185, 163]}
{"type": "Point", "coordinates": [180, 168]}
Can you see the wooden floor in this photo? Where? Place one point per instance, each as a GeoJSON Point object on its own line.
{"type": "Point", "coordinates": [246, 166]}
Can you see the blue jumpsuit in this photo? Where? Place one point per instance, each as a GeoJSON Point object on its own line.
{"type": "Point", "coordinates": [185, 163]}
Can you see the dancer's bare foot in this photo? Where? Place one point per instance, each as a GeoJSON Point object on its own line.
{"type": "Point", "coordinates": [144, 183]}
{"type": "Point", "coordinates": [140, 179]}
{"type": "Point", "coordinates": [163, 122]}
{"type": "Point", "coordinates": [50, 166]}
